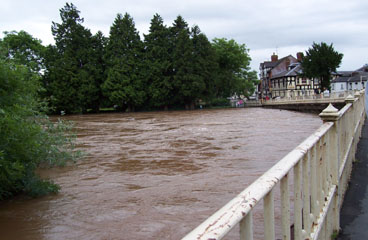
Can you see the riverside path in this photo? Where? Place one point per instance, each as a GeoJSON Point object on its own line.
{"type": "Point", "coordinates": [354, 212]}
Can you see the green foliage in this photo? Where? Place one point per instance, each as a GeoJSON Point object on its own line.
{"type": "Point", "coordinates": [70, 75]}
{"type": "Point", "coordinates": [204, 64]}
{"type": "Point", "coordinates": [335, 234]}
{"type": "Point", "coordinates": [320, 61]}
{"type": "Point", "coordinates": [185, 82]}
{"type": "Point", "coordinates": [158, 63]}
{"type": "Point", "coordinates": [125, 84]}
{"type": "Point", "coordinates": [220, 102]}
{"type": "Point", "coordinates": [174, 67]}
{"type": "Point", "coordinates": [28, 139]}
{"type": "Point", "coordinates": [23, 49]}
{"type": "Point", "coordinates": [98, 68]}
{"type": "Point", "coordinates": [234, 76]}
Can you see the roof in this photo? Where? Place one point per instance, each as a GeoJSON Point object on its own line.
{"type": "Point", "coordinates": [294, 71]}
{"type": "Point", "coordinates": [270, 64]}
{"type": "Point", "coordinates": [344, 73]}
{"type": "Point", "coordinates": [363, 69]}
{"type": "Point", "coordinates": [341, 79]}
{"type": "Point", "coordinates": [355, 76]}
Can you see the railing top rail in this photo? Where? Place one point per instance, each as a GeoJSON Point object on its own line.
{"type": "Point", "coordinates": [221, 222]}
{"type": "Point", "coordinates": [345, 109]}
{"type": "Point", "coordinates": [322, 100]}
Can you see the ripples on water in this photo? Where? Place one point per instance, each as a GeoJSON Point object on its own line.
{"type": "Point", "coordinates": [155, 175]}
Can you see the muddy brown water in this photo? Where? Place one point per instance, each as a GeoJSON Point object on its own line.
{"type": "Point", "coordinates": [155, 175]}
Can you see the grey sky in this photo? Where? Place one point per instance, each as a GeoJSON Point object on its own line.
{"type": "Point", "coordinates": [265, 26]}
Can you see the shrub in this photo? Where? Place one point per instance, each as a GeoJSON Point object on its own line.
{"type": "Point", "coordinates": [28, 139]}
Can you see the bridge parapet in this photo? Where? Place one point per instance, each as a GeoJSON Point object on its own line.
{"type": "Point", "coordinates": [320, 168]}
{"type": "Point", "coordinates": [319, 98]}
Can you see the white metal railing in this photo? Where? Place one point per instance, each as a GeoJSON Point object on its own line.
{"type": "Point", "coordinates": [321, 167]}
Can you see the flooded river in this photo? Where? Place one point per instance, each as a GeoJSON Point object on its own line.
{"type": "Point", "coordinates": [155, 175]}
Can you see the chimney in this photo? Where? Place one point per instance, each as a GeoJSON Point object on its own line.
{"type": "Point", "coordinates": [287, 63]}
{"type": "Point", "coordinates": [299, 56]}
{"type": "Point", "coordinates": [274, 58]}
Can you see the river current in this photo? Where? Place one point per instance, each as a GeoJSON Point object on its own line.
{"type": "Point", "coordinates": [155, 175]}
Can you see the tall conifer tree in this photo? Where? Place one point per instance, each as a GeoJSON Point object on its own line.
{"type": "Point", "coordinates": [182, 55]}
{"type": "Point", "coordinates": [98, 70]}
{"type": "Point", "coordinates": [158, 63]}
{"type": "Point", "coordinates": [125, 84]}
{"type": "Point", "coordinates": [72, 86]}
{"type": "Point", "coordinates": [204, 65]}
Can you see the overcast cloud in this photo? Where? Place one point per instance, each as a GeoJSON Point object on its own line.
{"type": "Point", "coordinates": [264, 26]}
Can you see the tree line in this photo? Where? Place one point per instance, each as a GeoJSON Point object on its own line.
{"type": "Point", "coordinates": [173, 67]}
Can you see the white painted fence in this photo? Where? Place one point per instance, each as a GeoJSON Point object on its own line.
{"type": "Point", "coordinates": [321, 168]}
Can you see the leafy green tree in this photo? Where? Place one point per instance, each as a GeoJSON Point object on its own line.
{"type": "Point", "coordinates": [72, 84]}
{"type": "Point", "coordinates": [234, 76]}
{"type": "Point", "coordinates": [158, 63]}
{"type": "Point", "coordinates": [320, 61]}
{"type": "Point", "coordinates": [23, 49]}
{"type": "Point", "coordinates": [125, 85]}
{"type": "Point", "coordinates": [28, 139]}
{"type": "Point", "coordinates": [250, 84]}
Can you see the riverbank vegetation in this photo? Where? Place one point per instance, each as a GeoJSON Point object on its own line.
{"type": "Point", "coordinates": [172, 67]}
{"type": "Point", "coordinates": [28, 138]}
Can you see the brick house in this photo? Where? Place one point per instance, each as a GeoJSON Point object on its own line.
{"type": "Point", "coordinates": [283, 78]}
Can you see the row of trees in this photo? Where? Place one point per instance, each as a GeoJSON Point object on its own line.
{"type": "Point", "coordinates": [173, 66]}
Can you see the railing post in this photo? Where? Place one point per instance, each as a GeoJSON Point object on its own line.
{"type": "Point", "coordinates": [285, 208]}
{"type": "Point", "coordinates": [331, 114]}
{"type": "Point", "coordinates": [352, 117]}
{"type": "Point", "coordinates": [269, 217]}
{"type": "Point", "coordinates": [246, 227]}
{"type": "Point", "coordinates": [306, 194]}
{"type": "Point", "coordinates": [298, 228]}
{"type": "Point", "coordinates": [314, 182]}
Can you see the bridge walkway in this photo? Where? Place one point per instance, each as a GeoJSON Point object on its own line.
{"type": "Point", "coordinates": [354, 212]}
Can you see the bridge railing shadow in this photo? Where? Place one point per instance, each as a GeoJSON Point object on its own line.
{"type": "Point", "coordinates": [320, 168]}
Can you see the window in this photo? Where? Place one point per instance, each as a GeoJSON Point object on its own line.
{"type": "Point", "coordinates": [342, 86]}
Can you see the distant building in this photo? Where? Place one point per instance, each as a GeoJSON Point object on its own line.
{"type": "Point", "coordinates": [350, 80]}
{"type": "Point", "coordinates": [283, 78]}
